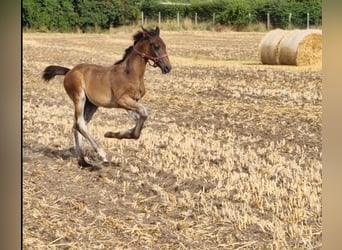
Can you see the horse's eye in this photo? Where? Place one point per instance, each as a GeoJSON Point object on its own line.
{"type": "Point", "coordinates": [156, 46]}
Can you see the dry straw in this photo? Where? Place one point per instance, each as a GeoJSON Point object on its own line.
{"type": "Point", "coordinates": [301, 48]}
{"type": "Point", "coordinates": [269, 46]}
{"type": "Point", "coordinates": [297, 47]}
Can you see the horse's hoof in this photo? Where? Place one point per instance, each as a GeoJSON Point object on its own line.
{"type": "Point", "coordinates": [111, 134]}
{"type": "Point", "coordinates": [116, 135]}
{"type": "Point", "coordinates": [106, 163]}
{"type": "Point", "coordinates": [108, 134]}
{"type": "Point", "coordinates": [83, 164]}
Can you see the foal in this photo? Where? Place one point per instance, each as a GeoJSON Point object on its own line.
{"type": "Point", "coordinates": [118, 86]}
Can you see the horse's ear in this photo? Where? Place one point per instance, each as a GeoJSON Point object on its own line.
{"type": "Point", "coordinates": [146, 33]}
{"type": "Point", "coordinates": [157, 31]}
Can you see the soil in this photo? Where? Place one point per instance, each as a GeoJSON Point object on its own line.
{"type": "Point", "coordinates": [230, 156]}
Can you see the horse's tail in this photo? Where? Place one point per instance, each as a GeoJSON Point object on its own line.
{"type": "Point", "coordinates": [52, 70]}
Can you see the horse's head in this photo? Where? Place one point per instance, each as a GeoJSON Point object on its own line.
{"type": "Point", "coordinates": [153, 48]}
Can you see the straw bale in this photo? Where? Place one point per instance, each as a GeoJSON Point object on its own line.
{"type": "Point", "coordinates": [301, 48]}
{"type": "Point", "coordinates": [269, 46]}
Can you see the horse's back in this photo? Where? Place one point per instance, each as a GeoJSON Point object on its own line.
{"type": "Point", "coordinates": [92, 79]}
{"type": "Point", "coordinates": [88, 73]}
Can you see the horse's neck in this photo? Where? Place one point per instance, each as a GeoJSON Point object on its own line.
{"type": "Point", "coordinates": [135, 70]}
{"type": "Point", "coordinates": [135, 65]}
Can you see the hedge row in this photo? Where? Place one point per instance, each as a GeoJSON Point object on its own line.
{"type": "Point", "coordinates": [66, 15]}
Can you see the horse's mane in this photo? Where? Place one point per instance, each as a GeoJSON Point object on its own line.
{"type": "Point", "coordinates": [136, 38]}
{"type": "Point", "coordinates": [127, 52]}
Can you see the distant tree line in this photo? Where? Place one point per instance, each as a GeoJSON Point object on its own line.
{"type": "Point", "coordinates": [67, 15]}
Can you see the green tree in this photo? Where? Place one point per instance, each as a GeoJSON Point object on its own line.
{"type": "Point", "coordinates": [205, 10]}
{"type": "Point", "coordinates": [49, 14]}
{"type": "Point", "coordinates": [150, 7]}
{"type": "Point", "coordinates": [130, 12]}
{"type": "Point", "coordinates": [64, 16]}
{"type": "Point", "coordinates": [104, 13]}
{"type": "Point", "coordinates": [314, 8]}
{"type": "Point", "coordinates": [280, 10]}
{"type": "Point", "coordinates": [239, 13]}
{"type": "Point", "coordinates": [88, 13]}
{"type": "Point", "coordinates": [30, 14]}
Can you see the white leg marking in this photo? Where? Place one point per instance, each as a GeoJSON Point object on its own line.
{"type": "Point", "coordinates": [82, 127]}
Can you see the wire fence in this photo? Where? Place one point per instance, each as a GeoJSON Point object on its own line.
{"type": "Point", "coordinates": [196, 19]}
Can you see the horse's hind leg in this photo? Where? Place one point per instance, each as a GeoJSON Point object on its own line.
{"type": "Point", "coordinates": [89, 110]}
{"type": "Point", "coordinates": [84, 111]}
{"type": "Point", "coordinates": [79, 148]}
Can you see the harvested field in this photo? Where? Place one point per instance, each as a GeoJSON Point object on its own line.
{"type": "Point", "coordinates": [229, 158]}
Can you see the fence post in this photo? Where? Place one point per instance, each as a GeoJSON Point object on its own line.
{"type": "Point", "coordinates": [159, 18]}
{"type": "Point", "coordinates": [308, 20]}
{"type": "Point", "coordinates": [142, 18]}
{"type": "Point", "coordinates": [290, 22]}
{"type": "Point", "coordinates": [195, 18]}
{"type": "Point", "coordinates": [178, 18]}
{"type": "Point", "coordinates": [214, 18]}
{"type": "Point", "coordinates": [268, 20]}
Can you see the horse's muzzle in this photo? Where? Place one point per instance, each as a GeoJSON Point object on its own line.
{"type": "Point", "coordinates": [166, 69]}
{"type": "Point", "coordinates": [164, 65]}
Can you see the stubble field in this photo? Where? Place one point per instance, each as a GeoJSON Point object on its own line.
{"type": "Point", "coordinates": [229, 158]}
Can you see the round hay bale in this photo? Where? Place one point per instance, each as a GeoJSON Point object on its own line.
{"type": "Point", "coordinates": [301, 48]}
{"type": "Point", "coordinates": [269, 46]}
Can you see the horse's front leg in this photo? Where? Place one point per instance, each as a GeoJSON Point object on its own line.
{"type": "Point", "coordinates": [138, 113]}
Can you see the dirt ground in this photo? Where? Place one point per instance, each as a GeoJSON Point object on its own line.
{"type": "Point", "coordinates": [229, 158]}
